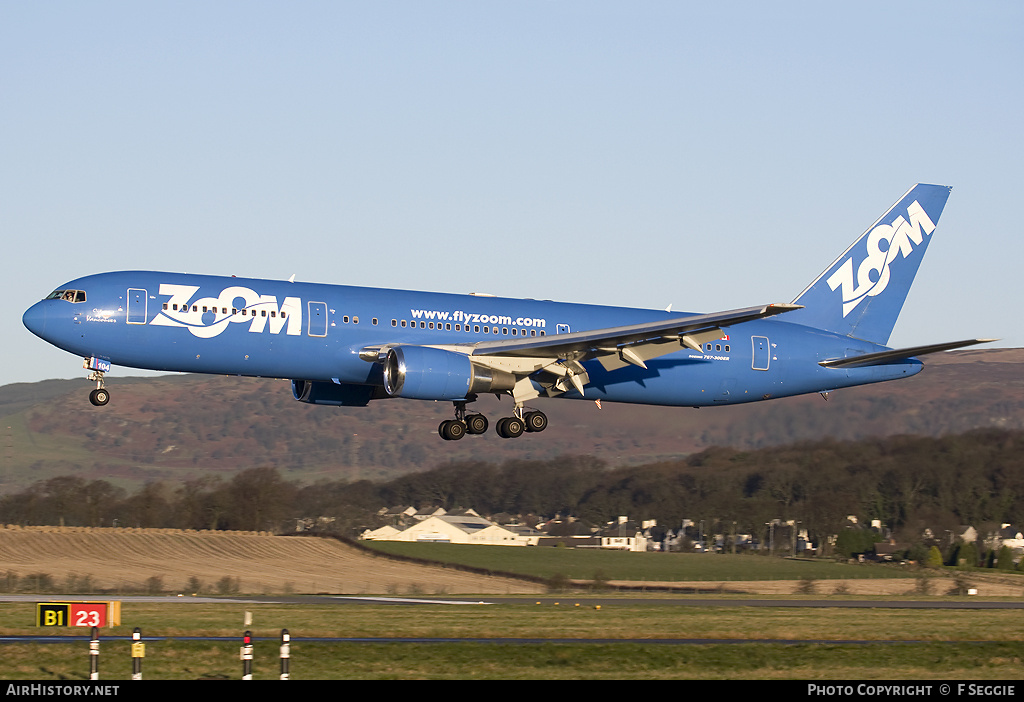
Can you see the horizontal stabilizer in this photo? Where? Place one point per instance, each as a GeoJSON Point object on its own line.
{"type": "Point", "coordinates": [881, 357]}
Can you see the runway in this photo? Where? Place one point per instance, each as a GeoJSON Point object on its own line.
{"type": "Point", "coordinates": [547, 600]}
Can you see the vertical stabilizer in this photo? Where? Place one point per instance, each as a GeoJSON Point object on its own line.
{"type": "Point", "coordinates": [862, 292]}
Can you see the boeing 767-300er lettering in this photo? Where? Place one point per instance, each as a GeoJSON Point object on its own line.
{"type": "Point", "coordinates": [345, 346]}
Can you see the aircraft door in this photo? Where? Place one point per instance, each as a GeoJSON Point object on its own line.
{"type": "Point", "coordinates": [762, 352]}
{"type": "Point", "coordinates": [137, 300]}
{"type": "Point", "coordinates": [317, 319]}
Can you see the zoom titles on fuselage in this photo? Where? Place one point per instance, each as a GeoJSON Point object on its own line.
{"type": "Point", "coordinates": [206, 317]}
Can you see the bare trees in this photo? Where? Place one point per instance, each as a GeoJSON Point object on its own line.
{"type": "Point", "coordinates": [909, 484]}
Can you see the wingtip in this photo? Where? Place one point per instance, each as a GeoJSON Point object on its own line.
{"type": "Point", "coordinates": [780, 307]}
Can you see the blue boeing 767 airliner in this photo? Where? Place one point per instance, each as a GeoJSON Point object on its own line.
{"type": "Point", "coordinates": [345, 346]}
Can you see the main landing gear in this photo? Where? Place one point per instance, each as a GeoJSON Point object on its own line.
{"type": "Point", "coordinates": [506, 427]}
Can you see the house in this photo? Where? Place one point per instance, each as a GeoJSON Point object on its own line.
{"type": "Point", "coordinates": [623, 535]}
{"type": "Point", "coordinates": [396, 515]}
{"type": "Point", "coordinates": [890, 550]}
{"type": "Point", "coordinates": [629, 541]}
{"type": "Point", "coordinates": [1011, 537]}
{"type": "Point", "coordinates": [431, 512]}
{"type": "Point", "coordinates": [617, 536]}
{"type": "Point", "coordinates": [968, 534]}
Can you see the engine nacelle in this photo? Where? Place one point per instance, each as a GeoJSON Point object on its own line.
{"type": "Point", "coordinates": [338, 394]}
{"type": "Point", "coordinates": [424, 373]}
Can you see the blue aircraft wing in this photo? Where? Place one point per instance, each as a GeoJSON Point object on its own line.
{"type": "Point", "coordinates": [626, 336]}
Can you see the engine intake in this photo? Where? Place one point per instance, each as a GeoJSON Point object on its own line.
{"type": "Point", "coordinates": [425, 373]}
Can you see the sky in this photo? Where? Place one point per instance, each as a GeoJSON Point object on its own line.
{"type": "Point", "coordinates": [707, 156]}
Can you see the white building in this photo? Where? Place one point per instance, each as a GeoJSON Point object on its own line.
{"type": "Point", "coordinates": [454, 529]}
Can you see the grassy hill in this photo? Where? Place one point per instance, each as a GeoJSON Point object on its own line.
{"type": "Point", "coordinates": [180, 427]}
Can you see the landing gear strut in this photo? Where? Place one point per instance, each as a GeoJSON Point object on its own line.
{"type": "Point", "coordinates": [100, 396]}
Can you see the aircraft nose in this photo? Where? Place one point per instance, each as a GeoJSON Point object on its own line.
{"type": "Point", "coordinates": [35, 319]}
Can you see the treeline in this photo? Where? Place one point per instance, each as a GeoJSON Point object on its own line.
{"type": "Point", "coordinates": [909, 484]}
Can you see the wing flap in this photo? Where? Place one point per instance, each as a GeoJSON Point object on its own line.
{"type": "Point", "coordinates": [637, 354]}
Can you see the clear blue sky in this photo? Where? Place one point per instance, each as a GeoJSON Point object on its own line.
{"type": "Point", "coordinates": [704, 155]}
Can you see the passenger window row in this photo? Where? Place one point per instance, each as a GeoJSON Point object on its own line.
{"type": "Point", "coordinates": [224, 310]}
{"type": "Point", "coordinates": [476, 328]}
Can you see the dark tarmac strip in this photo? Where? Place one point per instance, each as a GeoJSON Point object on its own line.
{"type": "Point", "coordinates": [570, 601]}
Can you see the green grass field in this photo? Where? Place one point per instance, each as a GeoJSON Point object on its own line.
{"type": "Point", "coordinates": [178, 660]}
{"type": "Point", "coordinates": [945, 644]}
{"type": "Point", "coordinates": [884, 643]}
{"type": "Point", "coordinates": [586, 564]}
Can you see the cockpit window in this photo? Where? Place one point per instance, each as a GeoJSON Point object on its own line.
{"type": "Point", "coordinates": [69, 295]}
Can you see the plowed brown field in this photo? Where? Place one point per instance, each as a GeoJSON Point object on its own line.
{"type": "Point", "coordinates": [122, 560]}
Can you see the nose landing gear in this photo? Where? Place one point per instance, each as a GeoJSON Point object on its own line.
{"type": "Point", "coordinates": [100, 396]}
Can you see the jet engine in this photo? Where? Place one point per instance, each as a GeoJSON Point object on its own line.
{"type": "Point", "coordinates": [338, 394]}
{"type": "Point", "coordinates": [425, 373]}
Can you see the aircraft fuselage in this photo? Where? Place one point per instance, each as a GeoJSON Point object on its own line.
{"type": "Point", "coordinates": [315, 332]}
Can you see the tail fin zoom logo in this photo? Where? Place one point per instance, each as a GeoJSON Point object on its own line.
{"type": "Point", "coordinates": [209, 316]}
{"type": "Point", "coordinates": [900, 237]}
